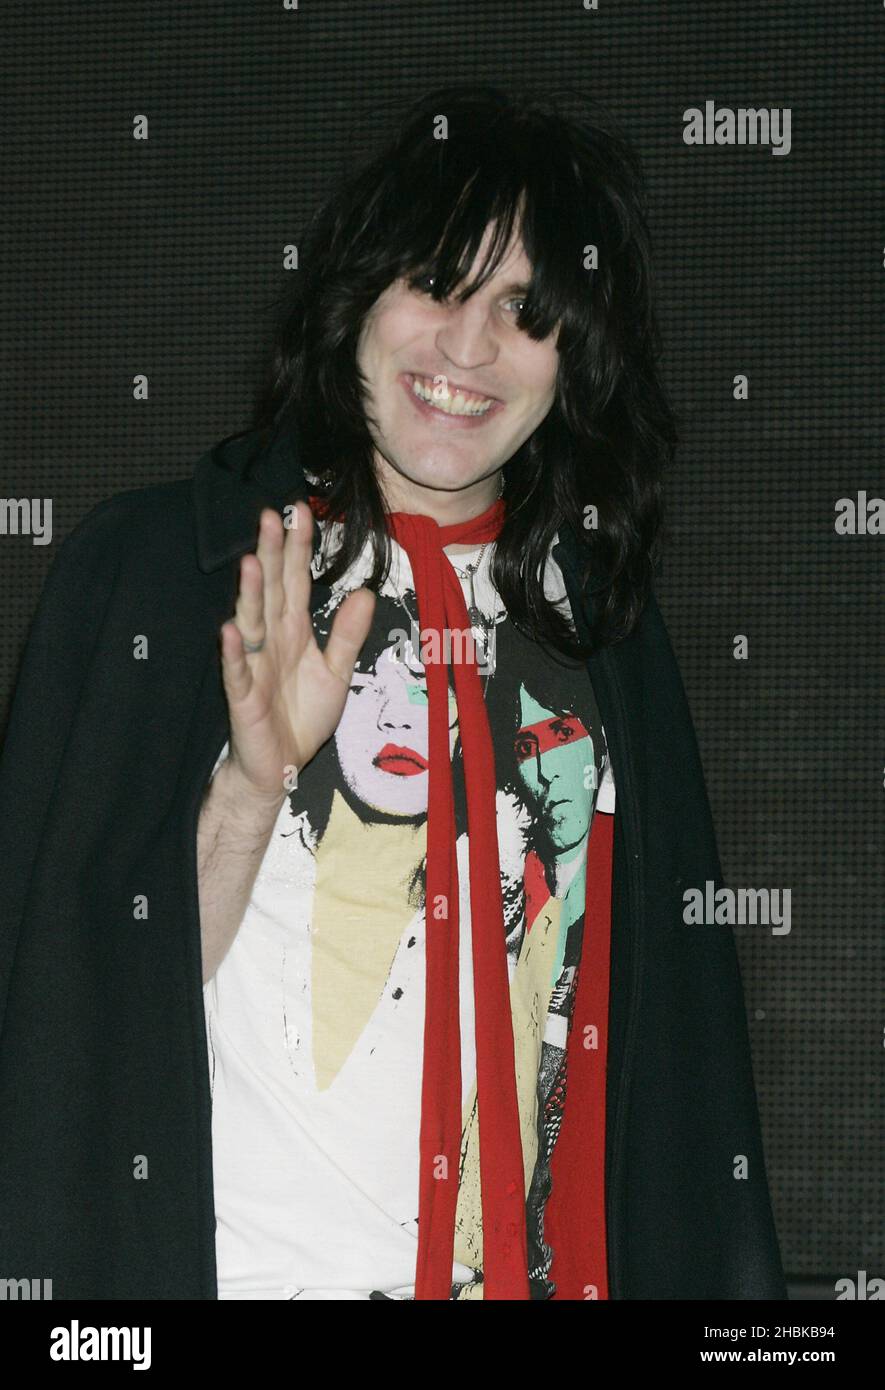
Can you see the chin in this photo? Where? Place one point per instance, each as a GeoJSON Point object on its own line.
{"type": "Point", "coordinates": [447, 479]}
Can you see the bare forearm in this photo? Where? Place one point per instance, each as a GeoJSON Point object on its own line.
{"type": "Point", "coordinates": [233, 831]}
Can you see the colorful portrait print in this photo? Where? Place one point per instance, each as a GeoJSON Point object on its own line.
{"type": "Point", "coordinates": [377, 758]}
{"type": "Point", "coordinates": [555, 767]}
{"type": "Point", "coordinates": [382, 739]}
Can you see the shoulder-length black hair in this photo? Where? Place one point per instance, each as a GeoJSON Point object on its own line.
{"type": "Point", "coordinates": [559, 171]}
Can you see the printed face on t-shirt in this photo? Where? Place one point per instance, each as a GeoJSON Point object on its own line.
{"type": "Point", "coordinates": [553, 753]}
{"type": "Point", "coordinates": [382, 739]}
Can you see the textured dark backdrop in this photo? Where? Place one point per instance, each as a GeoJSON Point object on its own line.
{"type": "Point", "coordinates": [163, 257]}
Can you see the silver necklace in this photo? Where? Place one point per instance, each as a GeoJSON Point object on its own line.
{"type": "Point", "coordinates": [476, 618]}
{"type": "Point", "coordinates": [487, 626]}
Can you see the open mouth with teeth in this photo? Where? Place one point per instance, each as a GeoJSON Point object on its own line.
{"type": "Point", "coordinates": [449, 402]}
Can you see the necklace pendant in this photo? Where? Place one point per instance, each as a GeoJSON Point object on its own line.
{"type": "Point", "coordinates": [487, 651]}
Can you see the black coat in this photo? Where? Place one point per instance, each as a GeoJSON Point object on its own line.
{"type": "Point", "coordinates": [103, 1062]}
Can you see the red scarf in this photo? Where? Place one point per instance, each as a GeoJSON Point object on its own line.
{"type": "Point", "coordinates": [574, 1217]}
{"type": "Point", "coordinates": [441, 608]}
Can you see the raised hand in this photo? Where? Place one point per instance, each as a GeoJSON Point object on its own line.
{"type": "Point", "coordinates": [285, 699]}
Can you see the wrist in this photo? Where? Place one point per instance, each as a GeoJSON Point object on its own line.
{"type": "Point", "coordinates": [242, 798]}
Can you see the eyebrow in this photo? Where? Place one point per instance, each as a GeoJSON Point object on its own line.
{"type": "Point", "coordinates": [515, 288]}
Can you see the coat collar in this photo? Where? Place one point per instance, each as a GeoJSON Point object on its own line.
{"type": "Point", "coordinates": [234, 481]}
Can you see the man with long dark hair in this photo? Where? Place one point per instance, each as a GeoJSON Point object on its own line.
{"type": "Point", "coordinates": [268, 1067]}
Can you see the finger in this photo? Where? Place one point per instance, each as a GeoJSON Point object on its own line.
{"type": "Point", "coordinates": [297, 555]}
{"type": "Point", "coordinates": [270, 556]}
{"type": "Point", "coordinates": [236, 675]}
{"type": "Point", "coordinates": [349, 631]}
{"type": "Point", "coordinates": [249, 612]}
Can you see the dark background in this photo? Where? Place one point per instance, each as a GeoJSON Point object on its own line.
{"type": "Point", "coordinates": [164, 257]}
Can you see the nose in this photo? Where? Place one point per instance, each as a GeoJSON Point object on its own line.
{"type": "Point", "coordinates": [466, 337]}
{"type": "Point", "coordinates": [549, 778]}
{"type": "Point", "coordinates": [396, 710]}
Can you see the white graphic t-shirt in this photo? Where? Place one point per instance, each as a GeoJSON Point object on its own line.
{"type": "Point", "coordinates": [315, 1017]}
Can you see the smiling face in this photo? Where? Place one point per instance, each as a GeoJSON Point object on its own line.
{"type": "Point", "coordinates": [552, 752]}
{"type": "Point", "coordinates": [383, 735]}
{"type": "Point", "coordinates": [445, 447]}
